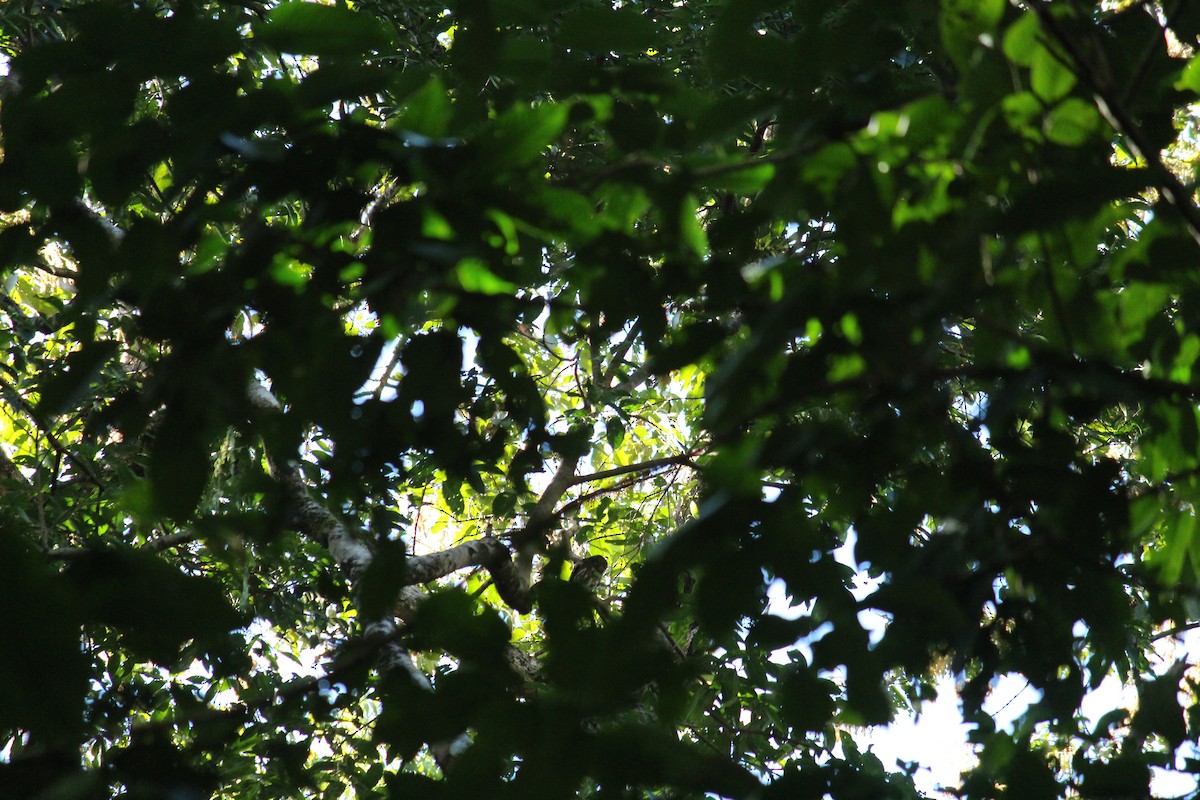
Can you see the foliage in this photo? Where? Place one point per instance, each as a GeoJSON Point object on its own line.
{"type": "Point", "coordinates": [337, 333]}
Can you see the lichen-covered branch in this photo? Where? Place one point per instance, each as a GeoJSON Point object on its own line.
{"type": "Point", "coordinates": [352, 555]}
{"type": "Point", "coordinates": [487, 552]}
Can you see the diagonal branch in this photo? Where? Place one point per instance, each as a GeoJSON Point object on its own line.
{"type": "Point", "coordinates": [20, 402]}
{"type": "Point", "coordinates": [352, 555]}
{"type": "Point", "coordinates": [531, 539]}
{"type": "Point", "coordinates": [682, 459]}
{"type": "Point", "coordinates": [564, 478]}
{"type": "Point", "coordinates": [618, 354]}
{"type": "Point", "coordinates": [1112, 108]}
{"type": "Point", "coordinates": [487, 552]}
{"type": "Point", "coordinates": [153, 546]}
{"type": "Point", "coordinates": [475, 553]}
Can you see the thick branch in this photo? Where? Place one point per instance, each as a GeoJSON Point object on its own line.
{"type": "Point", "coordinates": [352, 555]}
{"type": "Point", "coordinates": [490, 553]}
{"type": "Point", "coordinates": [475, 553]}
{"type": "Point", "coordinates": [513, 578]}
{"type": "Point", "coordinates": [524, 664]}
{"type": "Point", "coordinates": [618, 353]}
{"type": "Point", "coordinates": [538, 522]}
{"type": "Point", "coordinates": [59, 272]}
{"type": "Point", "coordinates": [564, 478]}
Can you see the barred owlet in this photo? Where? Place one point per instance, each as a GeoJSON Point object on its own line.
{"type": "Point", "coordinates": [589, 571]}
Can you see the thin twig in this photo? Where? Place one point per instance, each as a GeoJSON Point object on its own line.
{"type": "Point", "coordinates": [153, 546]}
{"type": "Point", "coordinates": [1056, 302]}
{"type": "Point", "coordinates": [644, 466]}
{"type": "Point", "coordinates": [29, 411]}
{"type": "Point", "coordinates": [1111, 108]}
{"type": "Point", "coordinates": [1191, 626]}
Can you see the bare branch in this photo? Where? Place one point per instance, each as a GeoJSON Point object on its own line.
{"type": "Point", "coordinates": [524, 664]}
{"type": "Point", "coordinates": [618, 354]}
{"type": "Point", "coordinates": [354, 555]}
{"type": "Point", "coordinates": [59, 272]}
{"type": "Point", "coordinates": [1111, 107]}
{"type": "Point", "coordinates": [488, 552]}
{"type": "Point", "coordinates": [578, 502]}
{"type": "Point", "coordinates": [29, 411]}
{"type": "Point", "coordinates": [564, 478]}
{"type": "Point", "coordinates": [385, 379]}
{"type": "Point", "coordinates": [153, 546]}
{"type": "Point", "coordinates": [644, 466]}
{"type": "Point", "coordinates": [475, 553]}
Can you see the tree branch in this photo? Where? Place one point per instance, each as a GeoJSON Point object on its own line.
{"type": "Point", "coordinates": [352, 555]}
{"type": "Point", "coordinates": [1112, 109]}
{"type": "Point", "coordinates": [487, 552]}
{"type": "Point", "coordinates": [152, 546]}
{"type": "Point", "coordinates": [618, 354]}
{"type": "Point", "coordinates": [29, 411]}
{"type": "Point", "coordinates": [59, 272]}
{"type": "Point", "coordinates": [543, 510]}
{"type": "Point", "coordinates": [531, 539]}
{"type": "Point", "coordinates": [682, 459]}
{"type": "Point", "coordinates": [603, 490]}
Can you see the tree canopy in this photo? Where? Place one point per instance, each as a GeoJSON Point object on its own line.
{"type": "Point", "coordinates": [599, 399]}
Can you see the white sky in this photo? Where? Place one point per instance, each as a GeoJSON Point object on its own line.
{"type": "Point", "coordinates": [936, 738]}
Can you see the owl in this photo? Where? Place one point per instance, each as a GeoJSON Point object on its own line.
{"type": "Point", "coordinates": [589, 572]}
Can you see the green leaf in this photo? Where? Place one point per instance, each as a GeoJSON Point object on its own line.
{"type": "Point", "coordinates": [965, 24]}
{"type": "Point", "coordinates": [691, 232]}
{"type": "Point", "coordinates": [428, 111]}
{"type": "Point", "coordinates": [1030, 776]}
{"type": "Point", "coordinates": [432, 367]}
{"type": "Point", "coordinates": [750, 179]}
{"type": "Point", "coordinates": [1023, 112]}
{"type": "Point", "coordinates": [806, 700]}
{"type": "Point", "coordinates": [614, 432]}
{"type": "Point", "coordinates": [180, 465]}
{"type": "Point", "coordinates": [322, 30]}
{"type": "Point", "coordinates": [522, 133]}
{"type": "Point", "coordinates": [1189, 77]}
{"type": "Point", "coordinates": [381, 582]}
{"type": "Point", "coordinates": [1126, 776]}
{"type": "Point", "coordinates": [1158, 710]}
{"type": "Point", "coordinates": [1051, 79]}
{"type": "Point", "coordinates": [451, 621]}
{"type": "Point", "coordinates": [64, 388]}
{"type": "Point", "coordinates": [826, 168]}
{"type": "Point", "coordinates": [1139, 302]}
{"type": "Point", "coordinates": [1180, 542]}
{"type": "Point", "coordinates": [1073, 122]}
{"type": "Point", "coordinates": [1023, 39]}
{"type": "Point", "coordinates": [503, 504]}
{"type": "Point", "coordinates": [474, 276]}
{"type": "Point", "coordinates": [42, 665]}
